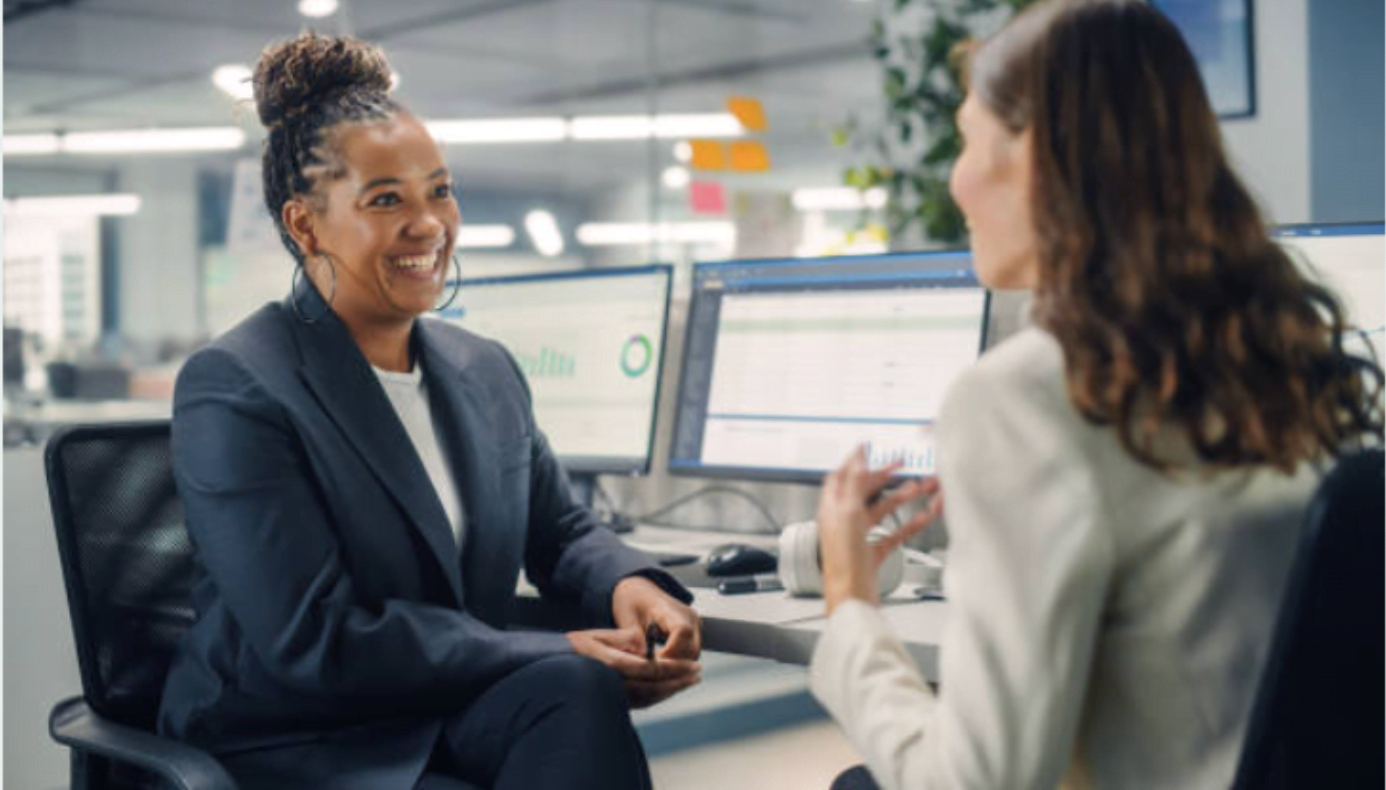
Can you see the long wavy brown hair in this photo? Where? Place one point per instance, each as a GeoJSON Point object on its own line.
{"type": "Point", "coordinates": [1172, 303]}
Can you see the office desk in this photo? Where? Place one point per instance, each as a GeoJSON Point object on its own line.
{"type": "Point", "coordinates": [770, 625]}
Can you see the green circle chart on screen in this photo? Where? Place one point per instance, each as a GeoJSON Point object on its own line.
{"type": "Point", "coordinates": [636, 355]}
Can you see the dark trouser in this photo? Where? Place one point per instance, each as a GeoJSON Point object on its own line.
{"type": "Point", "coordinates": [558, 723]}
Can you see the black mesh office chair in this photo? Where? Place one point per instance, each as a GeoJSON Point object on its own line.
{"type": "Point", "coordinates": [1317, 717]}
{"type": "Point", "coordinates": [127, 564]}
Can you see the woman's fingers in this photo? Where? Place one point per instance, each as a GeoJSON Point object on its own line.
{"type": "Point", "coordinates": [639, 668]}
{"type": "Point", "coordinates": [883, 547]}
{"type": "Point", "coordinates": [629, 640]}
{"type": "Point", "coordinates": [684, 641]}
{"type": "Point", "coordinates": [900, 496]}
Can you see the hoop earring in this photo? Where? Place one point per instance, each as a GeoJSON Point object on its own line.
{"type": "Point", "coordinates": [293, 292]}
{"type": "Point", "coordinates": [456, 286]}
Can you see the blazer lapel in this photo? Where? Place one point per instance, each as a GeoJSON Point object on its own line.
{"type": "Point", "coordinates": [339, 376]}
{"type": "Point", "coordinates": [460, 401]}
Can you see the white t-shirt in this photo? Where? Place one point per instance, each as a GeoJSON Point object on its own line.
{"type": "Point", "coordinates": [409, 396]}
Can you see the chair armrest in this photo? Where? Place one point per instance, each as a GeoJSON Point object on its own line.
{"type": "Point", "coordinates": [75, 725]}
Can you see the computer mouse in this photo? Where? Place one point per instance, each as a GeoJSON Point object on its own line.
{"type": "Point", "coordinates": [739, 559]}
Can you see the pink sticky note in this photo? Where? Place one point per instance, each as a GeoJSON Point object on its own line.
{"type": "Point", "coordinates": [707, 197]}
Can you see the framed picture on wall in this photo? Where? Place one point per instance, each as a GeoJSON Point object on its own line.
{"type": "Point", "coordinates": [1220, 33]}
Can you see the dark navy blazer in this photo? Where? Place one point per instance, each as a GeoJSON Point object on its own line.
{"type": "Point", "coordinates": [336, 624]}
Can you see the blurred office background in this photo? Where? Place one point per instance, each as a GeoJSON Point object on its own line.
{"type": "Point", "coordinates": [653, 130]}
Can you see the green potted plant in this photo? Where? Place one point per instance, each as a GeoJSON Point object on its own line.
{"type": "Point", "coordinates": [911, 151]}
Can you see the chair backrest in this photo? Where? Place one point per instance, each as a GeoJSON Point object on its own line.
{"type": "Point", "coordinates": [127, 562]}
{"type": "Point", "coordinates": [1317, 717]}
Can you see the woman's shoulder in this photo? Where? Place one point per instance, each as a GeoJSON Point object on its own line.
{"type": "Point", "coordinates": [254, 348]}
{"type": "Point", "coordinates": [1027, 367]}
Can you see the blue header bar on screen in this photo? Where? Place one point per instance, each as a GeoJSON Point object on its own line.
{"type": "Point", "coordinates": [1330, 229]}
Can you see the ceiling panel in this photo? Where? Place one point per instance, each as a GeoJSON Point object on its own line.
{"type": "Point", "coordinates": [27, 90]}
{"type": "Point", "coordinates": [191, 102]}
{"type": "Point", "coordinates": [130, 63]}
{"type": "Point", "coordinates": [100, 44]}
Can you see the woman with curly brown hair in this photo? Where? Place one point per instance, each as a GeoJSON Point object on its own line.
{"type": "Point", "coordinates": [363, 486]}
{"type": "Point", "coordinates": [1125, 480]}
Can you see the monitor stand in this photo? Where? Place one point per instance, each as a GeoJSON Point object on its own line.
{"type": "Point", "coordinates": [584, 488]}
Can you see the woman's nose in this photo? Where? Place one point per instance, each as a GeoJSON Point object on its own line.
{"type": "Point", "coordinates": [425, 224]}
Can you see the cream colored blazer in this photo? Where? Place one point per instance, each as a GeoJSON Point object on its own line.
{"type": "Point", "coordinates": [1107, 624]}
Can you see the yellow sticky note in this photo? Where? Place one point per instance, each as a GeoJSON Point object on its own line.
{"type": "Point", "coordinates": [748, 111]}
{"type": "Point", "coordinates": [749, 155]}
{"type": "Point", "coordinates": [707, 155]}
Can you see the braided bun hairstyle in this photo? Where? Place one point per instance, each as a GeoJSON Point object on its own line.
{"type": "Point", "coordinates": [304, 88]}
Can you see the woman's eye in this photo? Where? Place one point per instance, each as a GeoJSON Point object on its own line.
{"type": "Point", "coordinates": [442, 191]}
{"type": "Point", "coordinates": [385, 199]}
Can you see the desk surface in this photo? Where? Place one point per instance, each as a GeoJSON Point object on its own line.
{"type": "Point", "coordinates": [775, 625]}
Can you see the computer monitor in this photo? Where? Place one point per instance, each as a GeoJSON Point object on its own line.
{"type": "Point", "coordinates": [591, 345]}
{"type": "Point", "coordinates": [790, 364]}
{"type": "Point", "coordinates": [1351, 260]}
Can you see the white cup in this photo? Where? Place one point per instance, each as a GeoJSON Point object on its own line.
{"type": "Point", "coordinates": [801, 569]}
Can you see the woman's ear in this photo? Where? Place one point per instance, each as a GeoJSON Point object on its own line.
{"type": "Point", "coordinates": [298, 219]}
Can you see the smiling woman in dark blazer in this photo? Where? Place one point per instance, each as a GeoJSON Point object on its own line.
{"type": "Point", "coordinates": [362, 488]}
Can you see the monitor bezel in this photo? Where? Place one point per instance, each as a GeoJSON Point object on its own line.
{"type": "Point", "coordinates": [800, 476]}
{"type": "Point", "coordinates": [628, 466]}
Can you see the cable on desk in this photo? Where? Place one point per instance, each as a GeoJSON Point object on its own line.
{"type": "Point", "coordinates": [653, 515]}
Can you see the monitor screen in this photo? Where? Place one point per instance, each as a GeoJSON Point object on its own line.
{"type": "Point", "coordinates": [1351, 260]}
{"type": "Point", "coordinates": [790, 364]}
{"type": "Point", "coordinates": [591, 345]}
{"type": "Point", "coordinates": [1219, 34]}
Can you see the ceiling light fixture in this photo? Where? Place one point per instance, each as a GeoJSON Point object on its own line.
{"type": "Point", "coordinates": [638, 127]}
{"type": "Point", "coordinates": [222, 138]}
{"type": "Point", "coordinates": [500, 130]}
{"type": "Point", "coordinates": [485, 236]}
{"type": "Point", "coordinates": [29, 144]}
{"type": "Point", "coordinates": [612, 234]}
{"type": "Point", "coordinates": [234, 80]}
{"type": "Point", "coordinates": [119, 204]}
{"type": "Point", "coordinates": [544, 233]}
{"type": "Point", "coordinates": [675, 177]}
{"type": "Point", "coordinates": [317, 9]}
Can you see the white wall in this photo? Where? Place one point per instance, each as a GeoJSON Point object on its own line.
{"type": "Point", "coordinates": [1271, 149]}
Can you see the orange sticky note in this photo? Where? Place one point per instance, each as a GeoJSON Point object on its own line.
{"type": "Point", "coordinates": [707, 155]}
{"type": "Point", "coordinates": [748, 111]}
{"type": "Point", "coordinates": [749, 155]}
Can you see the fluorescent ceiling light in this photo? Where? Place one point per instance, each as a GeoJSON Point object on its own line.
{"type": "Point", "coordinates": [234, 80]}
{"type": "Point", "coordinates": [500, 130]}
{"type": "Point", "coordinates": [610, 234]}
{"type": "Point", "coordinates": [543, 233]}
{"type": "Point", "coordinates": [74, 205]}
{"type": "Point", "coordinates": [231, 78]}
{"type": "Point", "coordinates": [218, 138]}
{"type": "Point", "coordinates": [613, 127]}
{"type": "Point", "coordinates": [635, 127]}
{"type": "Point", "coordinates": [722, 124]}
{"type": "Point", "coordinates": [683, 151]}
{"type": "Point", "coordinates": [317, 8]}
{"type": "Point", "coordinates": [485, 236]}
{"type": "Point", "coordinates": [838, 198]}
{"type": "Point", "coordinates": [675, 177]}
{"type": "Point", "coordinates": [30, 144]}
